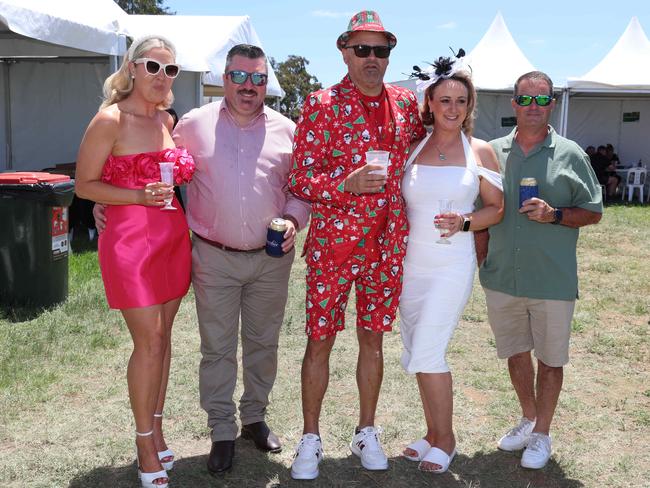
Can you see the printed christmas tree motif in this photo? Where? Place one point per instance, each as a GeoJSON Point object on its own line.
{"type": "Point", "coordinates": [339, 240]}
{"type": "Point", "coordinates": [333, 313]}
{"type": "Point", "coordinates": [310, 174]}
{"type": "Point", "coordinates": [397, 212]}
{"type": "Point", "coordinates": [382, 277]}
{"type": "Point", "coordinates": [326, 135]}
{"type": "Point", "coordinates": [400, 104]}
{"type": "Point", "coordinates": [319, 272]}
{"type": "Point", "coordinates": [342, 281]}
{"type": "Point", "coordinates": [360, 120]}
{"type": "Point", "coordinates": [365, 230]}
{"type": "Point", "coordinates": [336, 153]}
{"type": "Point", "coordinates": [348, 125]}
{"type": "Point", "coordinates": [370, 291]}
{"type": "Point", "coordinates": [336, 109]}
{"type": "Point", "coordinates": [360, 257]}
{"type": "Point", "coordinates": [366, 318]}
{"type": "Point", "coordinates": [359, 287]}
{"type": "Point", "coordinates": [388, 302]}
{"type": "Point", "coordinates": [346, 90]}
{"type": "Point", "coordinates": [321, 240]}
{"type": "Point", "coordinates": [323, 303]}
{"type": "Point", "coordinates": [320, 97]}
{"type": "Point", "coordinates": [314, 116]}
{"type": "Point", "coordinates": [318, 215]}
{"type": "Point", "coordinates": [293, 178]}
{"type": "Point", "coordinates": [396, 249]}
{"type": "Point", "coordinates": [341, 187]}
{"type": "Point", "coordinates": [362, 243]}
{"type": "Point", "coordinates": [372, 214]}
{"type": "Point", "coordinates": [407, 101]}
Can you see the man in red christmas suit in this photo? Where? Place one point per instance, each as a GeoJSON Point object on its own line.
{"type": "Point", "coordinates": [358, 230]}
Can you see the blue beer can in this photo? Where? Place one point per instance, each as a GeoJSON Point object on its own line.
{"type": "Point", "coordinates": [527, 189]}
{"type": "Point", "coordinates": [275, 237]}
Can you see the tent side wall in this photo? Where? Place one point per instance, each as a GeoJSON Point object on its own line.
{"type": "Point", "coordinates": [597, 120]}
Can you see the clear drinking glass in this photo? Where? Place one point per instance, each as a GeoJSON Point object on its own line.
{"type": "Point", "coordinates": [167, 176]}
{"type": "Point", "coordinates": [444, 206]}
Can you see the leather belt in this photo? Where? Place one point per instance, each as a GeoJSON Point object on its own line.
{"type": "Point", "coordinates": [223, 247]}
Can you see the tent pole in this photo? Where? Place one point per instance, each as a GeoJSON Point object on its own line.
{"type": "Point", "coordinates": [565, 112]}
{"type": "Point", "coordinates": [8, 143]}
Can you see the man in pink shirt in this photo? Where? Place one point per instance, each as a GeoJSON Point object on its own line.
{"type": "Point", "coordinates": [242, 151]}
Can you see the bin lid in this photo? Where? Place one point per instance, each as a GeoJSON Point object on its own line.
{"type": "Point", "coordinates": [30, 178]}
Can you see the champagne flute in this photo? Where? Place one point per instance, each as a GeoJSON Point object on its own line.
{"type": "Point", "coordinates": [444, 206]}
{"type": "Point", "coordinates": [167, 176]}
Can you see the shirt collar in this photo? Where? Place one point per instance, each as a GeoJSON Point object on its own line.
{"type": "Point", "coordinates": [549, 141]}
{"type": "Point", "coordinates": [226, 109]}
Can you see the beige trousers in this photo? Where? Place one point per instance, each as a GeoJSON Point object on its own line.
{"type": "Point", "coordinates": [230, 286]}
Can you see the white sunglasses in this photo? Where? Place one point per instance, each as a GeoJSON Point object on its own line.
{"type": "Point", "coordinates": [153, 67]}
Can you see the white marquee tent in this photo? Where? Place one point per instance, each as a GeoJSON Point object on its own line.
{"type": "Point", "coordinates": [54, 57]}
{"type": "Point", "coordinates": [611, 103]}
{"type": "Point", "coordinates": [496, 62]}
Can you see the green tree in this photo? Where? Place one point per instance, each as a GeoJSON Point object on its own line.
{"type": "Point", "coordinates": [296, 82]}
{"type": "Point", "coordinates": [144, 7]}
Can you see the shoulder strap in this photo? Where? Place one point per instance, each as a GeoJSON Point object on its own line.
{"type": "Point", "coordinates": [470, 159]}
{"type": "Point", "coordinates": [417, 150]}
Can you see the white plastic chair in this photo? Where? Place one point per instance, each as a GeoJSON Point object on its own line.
{"type": "Point", "coordinates": [635, 181]}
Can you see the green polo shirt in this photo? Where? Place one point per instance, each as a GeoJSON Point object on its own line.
{"type": "Point", "coordinates": [531, 259]}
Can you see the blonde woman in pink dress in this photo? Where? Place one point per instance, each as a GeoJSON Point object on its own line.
{"type": "Point", "coordinates": [144, 251]}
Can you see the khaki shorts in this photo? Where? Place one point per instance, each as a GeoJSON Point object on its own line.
{"type": "Point", "coordinates": [522, 324]}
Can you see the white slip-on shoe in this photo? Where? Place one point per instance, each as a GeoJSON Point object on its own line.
{"type": "Point", "coordinates": [421, 447]}
{"type": "Point", "coordinates": [366, 445]}
{"type": "Point", "coordinates": [309, 454]}
{"type": "Point", "coordinates": [538, 451]}
{"type": "Point", "coordinates": [517, 437]}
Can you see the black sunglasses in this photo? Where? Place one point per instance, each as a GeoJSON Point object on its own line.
{"type": "Point", "coordinates": [153, 67]}
{"type": "Point", "coordinates": [239, 77]}
{"type": "Point", "coordinates": [541, 100]}
{"type": "Point", "coordinates": [363, 51]}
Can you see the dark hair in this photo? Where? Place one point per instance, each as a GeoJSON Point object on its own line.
{"type": "Point", "coordinates": [601, 148]}
{"type": "Point", "coordinates": [535, 75]}
{"type": "Point", "coordinates": [246, 50]}
{"type": "Point", "coordinates": [174, 115]}
{"type": "Point", "coordinates": [464, 78]}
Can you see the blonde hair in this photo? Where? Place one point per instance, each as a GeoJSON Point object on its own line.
{"type": "Point", "coordinates": [461, 76]}
{"type": "Point", "coordinates": [119, 85]}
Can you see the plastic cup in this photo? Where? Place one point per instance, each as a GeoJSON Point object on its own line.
{"type": "Point", "coordinates": [379, 158]}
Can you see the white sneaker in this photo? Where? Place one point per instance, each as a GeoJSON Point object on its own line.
{"type": "Point", "coordinates": [366, 445]}
{"type": "Point", "coordinates": [538, 451]}
{"type": "Point", "coordinates": [309, 454]}
{"type": "Point", "coordinates": [518, 436]}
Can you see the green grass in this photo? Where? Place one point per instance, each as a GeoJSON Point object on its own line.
{"type": "Point", "coordinates": [65, 419]}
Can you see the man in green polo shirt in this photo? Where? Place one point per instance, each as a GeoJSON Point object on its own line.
{"type": "Point", "coordinates": [530, 273]}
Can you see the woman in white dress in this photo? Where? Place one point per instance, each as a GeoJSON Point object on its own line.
{"type": "Point", "coordinates": [448, 164]}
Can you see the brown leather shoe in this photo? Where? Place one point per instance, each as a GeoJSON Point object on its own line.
{"type": "Point", "coordinates": [220, 458]}
{"type": "Point", "coordinates": [261, 435]}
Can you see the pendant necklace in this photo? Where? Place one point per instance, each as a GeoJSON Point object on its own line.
{"type": "Point", "coordinates": [441, 155]}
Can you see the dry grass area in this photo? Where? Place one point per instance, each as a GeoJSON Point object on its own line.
{"type": "Point", "coordinates": [65, 419]}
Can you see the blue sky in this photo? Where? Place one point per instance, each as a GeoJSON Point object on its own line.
{"type": "Point", "coordinates": [562, 38]}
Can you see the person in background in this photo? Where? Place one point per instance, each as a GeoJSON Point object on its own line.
{"type": "Point", "coordinates": [358, 230]}
{"type": "Point", "coordinates": [144, 251]}
{"type": "Point", "coordinates": [530, 273]}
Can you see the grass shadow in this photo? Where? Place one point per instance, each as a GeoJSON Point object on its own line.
{"type": "Point", "coordinates": [252, 468]}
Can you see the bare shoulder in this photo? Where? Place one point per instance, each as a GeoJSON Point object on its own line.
{"type": "Point", "coordinates": [486, 155]}
{"type": "Point", "coordinates": [106, 122]}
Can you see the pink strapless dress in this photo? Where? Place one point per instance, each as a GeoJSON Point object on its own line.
{"type": "Point", "coordinates": [145, 252]}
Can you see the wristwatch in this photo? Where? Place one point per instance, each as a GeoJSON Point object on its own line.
{"type": "Point", "coordinates": [557, 216]}
{"type": "Point", "coordinates": [466, 224]}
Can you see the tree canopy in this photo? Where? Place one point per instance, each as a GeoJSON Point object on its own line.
{"type": "Point", "coordinates": [144, 7]}
{"type": "Point", "coordinates": [296, 82]}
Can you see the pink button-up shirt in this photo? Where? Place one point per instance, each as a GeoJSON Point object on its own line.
{"type": "Point", "coordinates": [240, 181]}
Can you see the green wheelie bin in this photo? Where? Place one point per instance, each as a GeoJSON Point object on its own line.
{"type": "Point", "coordinates": [34, 239]}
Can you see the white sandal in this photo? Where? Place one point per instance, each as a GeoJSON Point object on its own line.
{"type": "Point", "coordinates": [147, 479]}
{"type": "Point", "coordinates": [439, 457]}
{"type": "Point", "coordinates": [168, 453]}
{"type": "Point", "coordinates": [421, 446]}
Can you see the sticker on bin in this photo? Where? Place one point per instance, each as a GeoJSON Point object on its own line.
{"type": "Point", "coordinates": [59, 232]}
